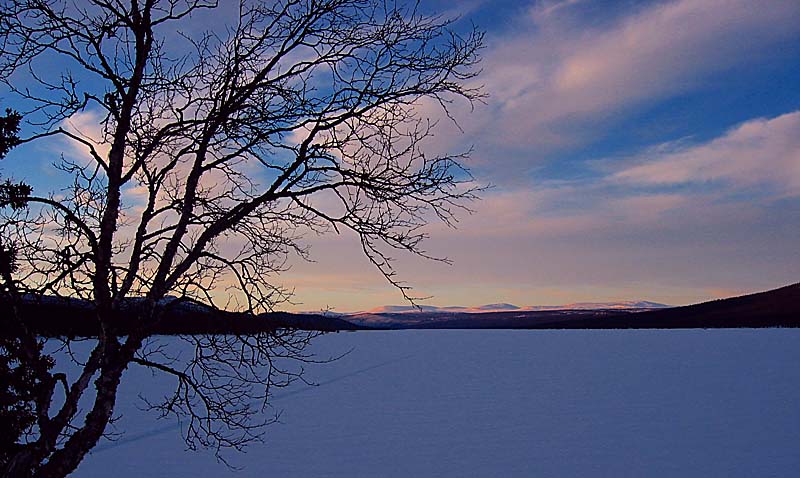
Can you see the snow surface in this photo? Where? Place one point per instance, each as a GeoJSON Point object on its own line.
{"type": "Point", "coordinates": [479, 403]}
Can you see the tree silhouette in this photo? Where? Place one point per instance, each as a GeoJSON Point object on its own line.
{"type": "Point", "coordinates": [20, 373]}
{"type": "Point", "coordinates": [197, 159]}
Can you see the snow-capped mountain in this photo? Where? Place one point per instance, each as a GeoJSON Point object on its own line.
{"type": "Point", "coordinates": [505, 307]}
{"type": "Point", "coordinates": [629, 304]}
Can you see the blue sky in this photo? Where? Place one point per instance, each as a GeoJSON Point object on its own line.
{"type": "Point", "coordinates": [637, 150]}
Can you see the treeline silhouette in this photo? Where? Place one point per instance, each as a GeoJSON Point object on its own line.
{"type": "Point", "coordinates": [66, 317]}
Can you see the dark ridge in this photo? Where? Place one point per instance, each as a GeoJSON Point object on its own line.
{"type": "Point", "coordinates": [63, 317]}
{"type": "Point", "coordinates": [774, 308]}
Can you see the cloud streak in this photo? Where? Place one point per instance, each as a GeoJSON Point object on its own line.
{"type": "Point", "coordinates": [763, 152]}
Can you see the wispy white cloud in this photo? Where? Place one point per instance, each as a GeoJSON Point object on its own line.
{"type": "Point", "coordinates": [544, 9]}
{"type": "Point", "coordinates": [86, 124]}
{"type": "Point", "coordinates": [763, 152]}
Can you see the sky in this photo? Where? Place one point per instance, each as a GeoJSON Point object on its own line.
{"type": "Point", "coordinates": [635, 151]}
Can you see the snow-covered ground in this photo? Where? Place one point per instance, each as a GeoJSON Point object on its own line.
{"type": "Point", "coordinates": [656, 403]}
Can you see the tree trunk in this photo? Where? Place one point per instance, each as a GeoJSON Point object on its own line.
{"type": "Point", "coordinates": [65, 460]}
{"type": "Point", "coordinates": [21, 466]}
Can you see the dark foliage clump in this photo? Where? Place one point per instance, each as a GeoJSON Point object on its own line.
{"type": "Point", "coordinates": [9, 128]}
{"type": "Point", "coordinates": [18, 393]}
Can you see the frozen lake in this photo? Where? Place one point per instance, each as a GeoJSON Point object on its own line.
{"type": "Point", "coordinates": [511, 403]}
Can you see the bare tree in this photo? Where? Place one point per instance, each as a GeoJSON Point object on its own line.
{"type": "Point", "coordinates": [206, 155]}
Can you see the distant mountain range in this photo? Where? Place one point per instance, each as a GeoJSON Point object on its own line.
{"type": "Point", "coordinates": [51, 316]}
{"type": "Point", "coordinates": [503, 307]}
{"type": "Point", "coordinates": [776, 308]}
